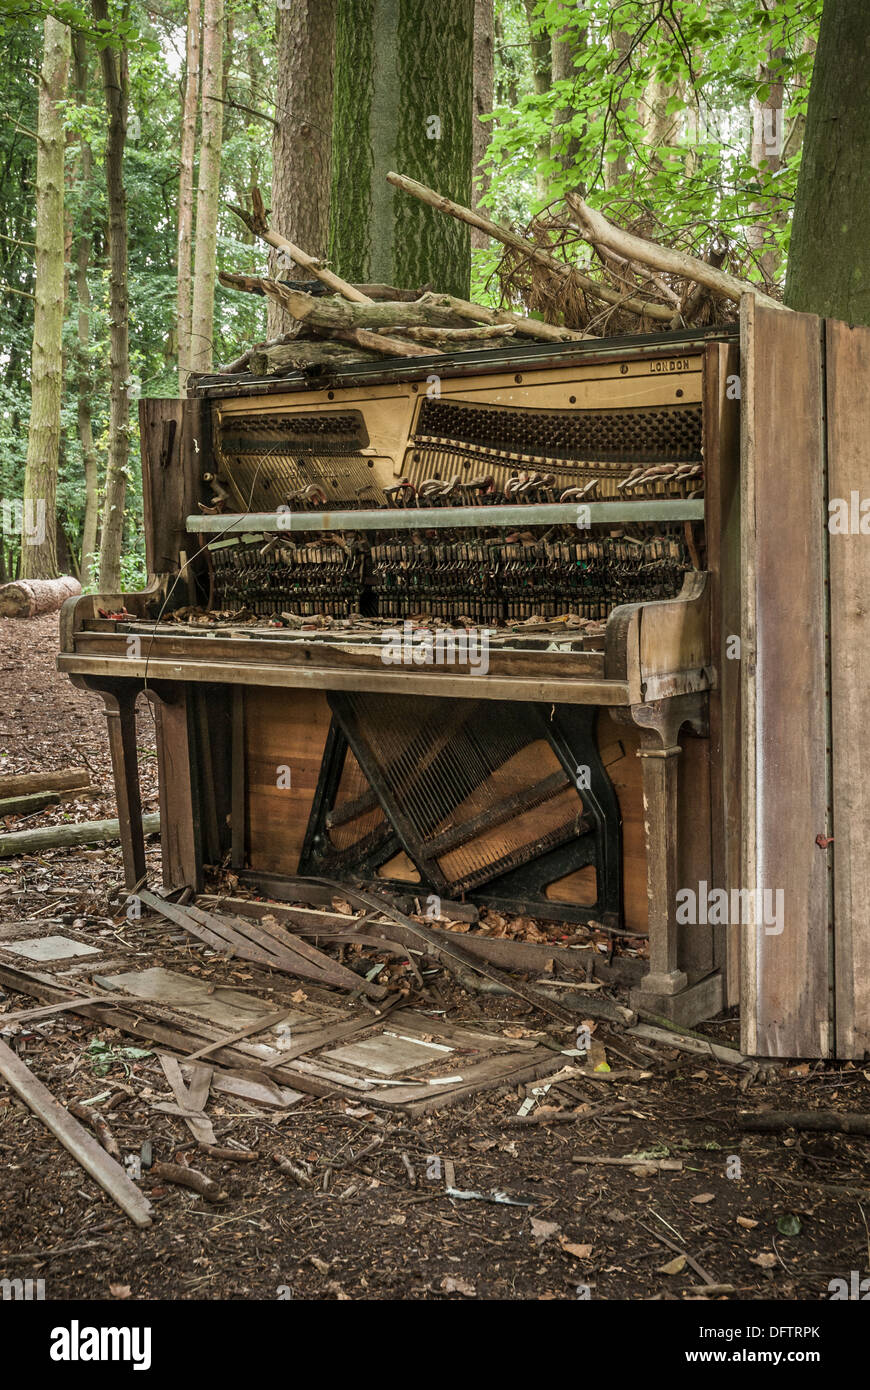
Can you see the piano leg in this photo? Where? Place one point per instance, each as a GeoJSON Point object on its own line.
{"type": "Point", "coordinates": [120, 714]}
{"type": "Point", "coordinates": [660, 722]}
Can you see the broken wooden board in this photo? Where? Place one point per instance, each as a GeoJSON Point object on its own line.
{"type": "Point", "coordinates": [251, 941]}
{"type": "Point", "coordinates": [84, 1148]}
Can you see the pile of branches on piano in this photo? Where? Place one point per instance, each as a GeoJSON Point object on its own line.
{"type": "Point", "coordinates": [577, 276]}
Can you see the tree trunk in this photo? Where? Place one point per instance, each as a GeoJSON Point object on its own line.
{"type": "Point", "coordinates": [30, 598]}
{"type": "Point", "coordinates": [185, 190]}
{"type": "Point", "coordinates": [84, 380]}
{"type": "Point", "coordinates": [542, 79]}
{"type": "Point", "coordinates": [38, 538]}
{"type": "Point", "coordinates": [302, 139]}
{"type": "Point", "coordinates": [566, 44]}
{"type": "Point", "coordinates": [829, 258]}
{"type": "Point", "coordinates": [483, 83]}
{"type": "Point", "coordinates": [114, 68]}
{"type": "Point", "coordinates": [403, 100]}
{"type": "Point", "coordinates": [202, 322]}
{"type": "Point", "coordinates": [767, 154]}
{"type": "Point", "coordinates": [621, 41]}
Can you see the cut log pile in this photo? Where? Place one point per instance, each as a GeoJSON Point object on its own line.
{"type": "Point", "coordinates": [637, 286]}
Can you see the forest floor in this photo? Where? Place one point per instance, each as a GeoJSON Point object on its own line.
{"type": "Point", "coordinates": [775, 1216]}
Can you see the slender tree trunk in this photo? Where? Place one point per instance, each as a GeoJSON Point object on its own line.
{"type": "Point", "coordinates": [38, 535]}
{"type": "Point", "coordinates": [403, 101]}
{"type": "Point", "coordinates": [202, 322]}
{"type": "Point", "coordinates": [113, 63]}
{"type": "Point", "coordinates": [829, 258]}
{"type": "Point", "coordinates": [566, 44]}
{"type": "Point", "coordinates": [614, 170]}
{"type": "Point", "coordinates": [185, 189]}
{"type": "Point", "coordinates": [483, 83]}
{"type": "Point", "coordinates": [542, 79]}
{"type": "Point", "coordinates": [302, 138]}
{"type": "Point", "coordinates": [84, 379]}
{"type": "Point", "coordinates": [766, 154]}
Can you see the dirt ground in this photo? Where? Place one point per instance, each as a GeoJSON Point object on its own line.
{"type": "Point", "coordinates": [773, 1216]}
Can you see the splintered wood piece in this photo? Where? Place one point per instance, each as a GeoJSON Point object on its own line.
{"type": "Point", "coordinates": [187, 1177]}
{"type": "Point", "coordinates": [83, 1146]}
{"type": "Point", "coordinates": [259, 1025]}
{"type": "Point", "coordinates": [191, 1097]}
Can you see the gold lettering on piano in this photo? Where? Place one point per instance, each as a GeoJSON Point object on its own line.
{"type": "Point", "coordinates": [663, 366]}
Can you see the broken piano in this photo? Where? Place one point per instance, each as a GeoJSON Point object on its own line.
{"type": "Point", "coordinates": [448, 624]}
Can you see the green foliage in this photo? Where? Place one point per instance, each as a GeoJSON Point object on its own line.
{"type": "Point", "coordinates": [706, 54]}
{"type": "Point", "coordinates": [155, 40]}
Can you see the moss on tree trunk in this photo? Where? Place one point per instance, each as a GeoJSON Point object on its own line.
{"type": "Point", "coordinates": [829, 258]}
{"type": "Point", "coordinates": [403, 100]}
{"type": "Point", "coordinates": [38, 546]}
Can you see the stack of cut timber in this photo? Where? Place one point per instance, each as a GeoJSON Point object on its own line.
{"type": "Point", "coordinates": [22, 793]}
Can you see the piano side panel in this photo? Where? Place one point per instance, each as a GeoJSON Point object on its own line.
{"type": "Point", "coordinates": [175, 449]}
{"type": "Point", "coordinates": [722, 528]}
{"type": "Point", "coordinates": [785, 984]}
{"type": "Point", "coordinates": [848, 416]}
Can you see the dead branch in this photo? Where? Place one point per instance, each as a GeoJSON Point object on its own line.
{"type": "Point", "coordinates": [641, 307]}
{"type": "Point", "coordinates": [180, 1176]}
{"type": "Point", "coordinates": [597, 230]}
{"type": "Point", "coordinates": [257, 223]}
{"type": "Point", "coordinates": [94, 1120]}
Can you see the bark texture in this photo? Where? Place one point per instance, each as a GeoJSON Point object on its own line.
{"type": "Point", "coordinates": [302, 138]}
{"type": "Point", "coordinates": [829, 257]}
{"type": "Point", "coordinates": [30, 598]}
{"type": "Point", "coordinates": [115, 85]}
{"type": "Point", "coordinates": [403, 99]}
{"type": "Point", "coordinates": [38, 537]}
{"type": "Point", "coordinates": [185, 189]}
{"type": "Point", "coordinates": [202, 317]}
{"type": "Point", "coordinates": [84, 378]}
{"type": "Point", "coordinates": [484, 39]}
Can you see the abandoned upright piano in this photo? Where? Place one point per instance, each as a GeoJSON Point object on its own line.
{"type": "Point", "coordinates": [465, 625]}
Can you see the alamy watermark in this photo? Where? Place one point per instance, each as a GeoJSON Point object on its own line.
{"type": "Point", "coordinates": [742, 907]}
{"type": "Point", "coordinates": [25, 519]}
{"type": "Point", "coordinates": [421, 646]}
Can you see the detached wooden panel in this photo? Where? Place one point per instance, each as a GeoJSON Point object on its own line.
{"type": "Point", "coordinates": [173, 434]}
{"type": "Point", "coordinates": [722, 517]}
{"type": "Point", "coordinates": [848, 382]}
{"type": "Point", "coordinates": [785, 1007]}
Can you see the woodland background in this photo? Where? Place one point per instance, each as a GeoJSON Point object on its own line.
{"type": "Point", "coordinates": [129, 129]}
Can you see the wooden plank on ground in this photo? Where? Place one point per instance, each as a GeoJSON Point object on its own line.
{"type": "Point", "coordinates": [848, 419]}
{"type": "Point", "coordinates": [785, 1009]}
{"type": "Point", "coordinates": [83, 1146]}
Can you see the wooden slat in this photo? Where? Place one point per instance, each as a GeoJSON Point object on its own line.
{"type": "Point", "coordinates": [83, 1146]}
{"type": "Point", "coordinates": [848, 416]}
{"type": "Point", "coordinates": [722, 529]}
{"type": "Point", "coordinates": [784, 713]}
